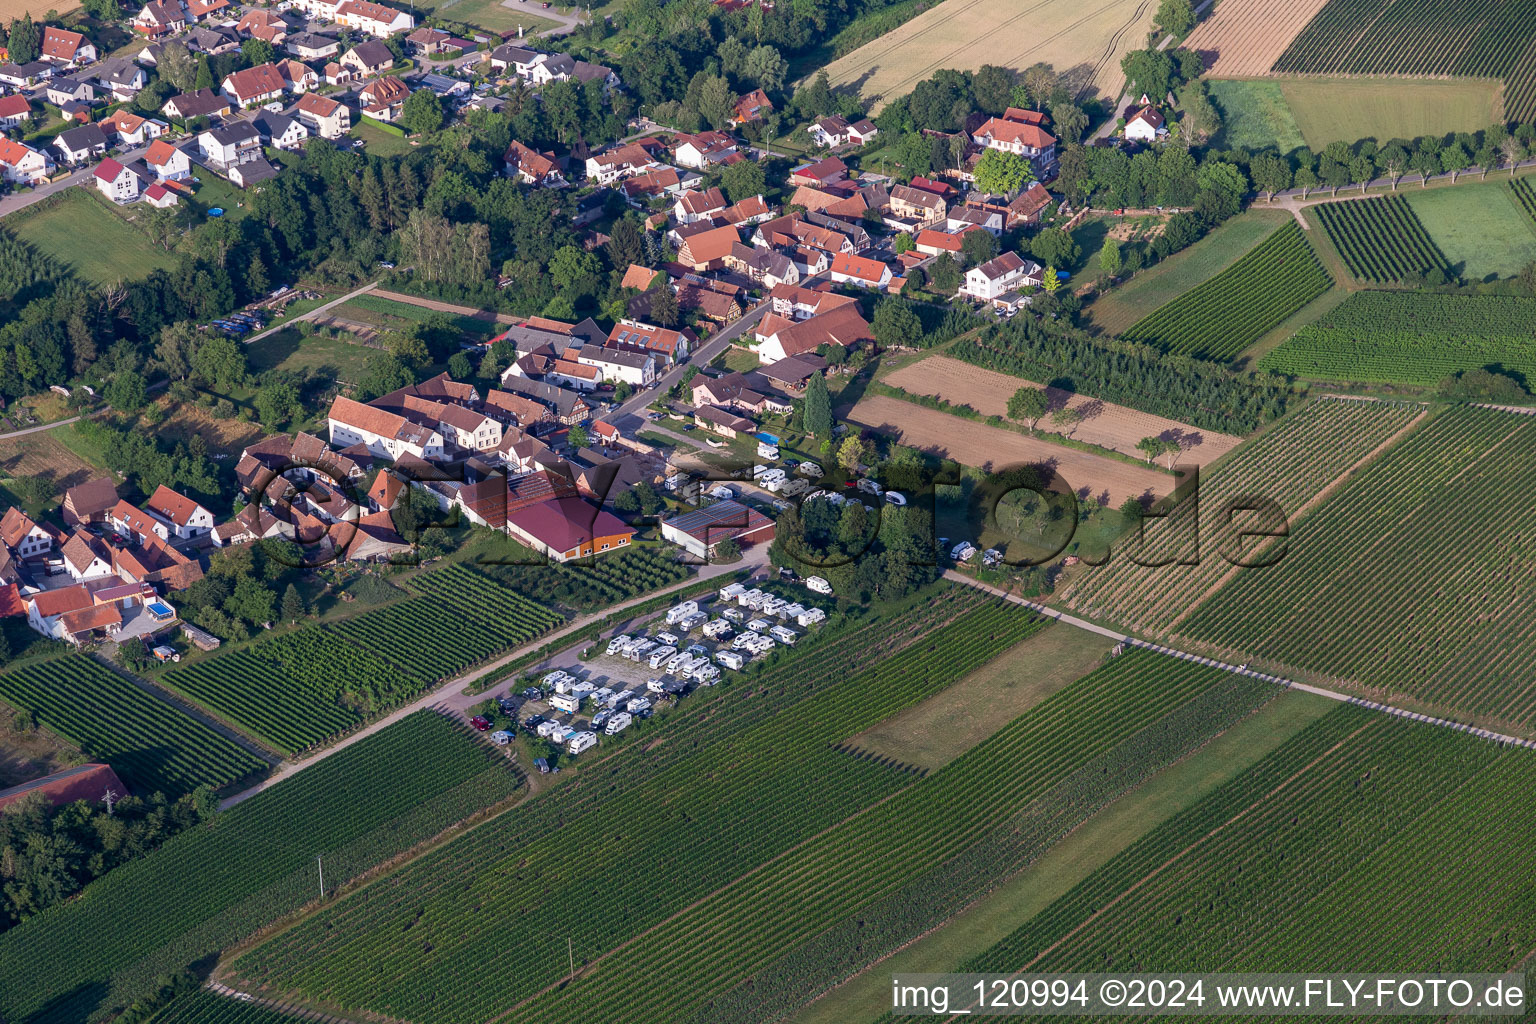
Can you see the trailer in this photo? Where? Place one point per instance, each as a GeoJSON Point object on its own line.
{"type": "Point", "coordinates": [618, 723]}
{"type": "Point", "coordinates": [581, 741]}
{"type": "Point", "coordinates": [716, 628]}
{"type": "Point", "coordinates": [501, 737]}
{"type": "Point", "coordinates": [811, 617]}
{"type": "Point", "coordinates": [731, 659]}
{"type": "Point", "coordinates": [567, 702]}
{"type": "Point", "coordinates": [759, 625]}
{"type": "Point", "coordinates": [731, 592]}
{"type": "Point", "coordinates": [784, 635]}
{"type": "Point", "coordinates": [548, 728]}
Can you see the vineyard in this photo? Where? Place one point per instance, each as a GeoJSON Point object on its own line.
{"type": "Point", "coordinates": [215, 884]}
{"type": "Point", "coordinates": [149, 743]}
{"type": "Point", "coordinates": [608, 580]}
{"type": "Point", "coordinates": [1466, 38]}
{"type": "Point", "coordinates": [423, 639]}
{"type": "Point", "coordinates": [1380, 239]}
{"type": "Point", "coordinates": [1348, 844]}
{"type": "Point", "coordinates": [1411, 338]}
{"type": "Point", "coordinates": [1235, 308]}
{"type": "Point", "coordinates": [1414, 579]}
{"type": "Point", "coordinates": [487, 602]}
{"type": "Point", "coordinates": [1524, 195]}
{"type": "Point", "coordinates": [712, 797]}
{"type": "Point", "coordinates": [883, 877]}
{"type": "Point", "coordinates": [1289, 464]}
{"type": "Point", "coordinates": [203, 1007]}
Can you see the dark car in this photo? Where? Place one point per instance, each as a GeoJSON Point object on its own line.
{"type": "Point", "coordinates": [532, 722]}
{"type": "Point", "coordinates": [542, 765]}
{"type": "Point", "coordinates": [532, 693]}
{"type": "Point", "coordinates": [480, 722]}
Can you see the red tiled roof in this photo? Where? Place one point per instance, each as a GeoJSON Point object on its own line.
{"type": "Point", "coordinates": [708, 246]}
{"type": "Point", "coordinates": [257, 81]}
{"type": "Point", "coordinates": [859, 267]}
{"type": "Point", "coordinates": [939, 240]}
{"type": "Point", "coordinates": [1031, 135]}
{"type": "Point", "coordinates": [84, 620]}
{"type": "Point", "coordinates": [108, 169]}
{"type": "Point", "coordinates": [88, 782]}
{"type": "Point", "coordinates": [10, 601]}
{"type": "Point", "coordinates": [49, 603]}
{"type": "Point", "coordinates": [14, 105]}
{"type": "Point", "coordinates": [563, 524]}
{"type": "Point", "coordinates": [159, 153]}
{"type": "Point", "coordinates": [172, 505]}
{"type": "Point", "coordinates": [61, 44]}
{"type": "Point", "coordinates": [15, 525]}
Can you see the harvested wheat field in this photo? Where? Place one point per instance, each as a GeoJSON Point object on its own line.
{"type": "Point", "coordinates": [1246, 37]}
{"type": "Point", "coordinates": [1084, 43]}
{"type": "Point", "coordinates": [40, 454]}
{"type": "Point", "coordinates": [1104, 424]}
{"type": "Point", "coordinates": [1093, 477]}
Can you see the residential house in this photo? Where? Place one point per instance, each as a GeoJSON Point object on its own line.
{"type": "Point", "coordinates": [510, 57]}
{"type": "Point", "coordinates": [86, 557]}
{"type": "Point", "coordinates": [15, 110]}
{"type": "Point", "coordinates": [615, 365]}
{"type": "Point", "coordinates": [335, 74]}
{"type": "Point", "coordinates": [763, 266]}
{"type": "Point", "coordinates": [373, 538]}
{"type": "Point", "coordinates": [212, 39]}
{"type": "Point", "coordinates": [385, 434]}
{"type": "Point", "coordinates": [516, 412]}
{"type": "Point", "coordinates": [667, 345]}
{"type": "Point", "coordinates": [20, 76]}
{"type": "Point", "coordinates": [792, 374]}
{"type": "Point", "coordinates": [309, 46]}
{"type": "Point", "coordinates": [938, 243]}
{"type": "Point", "coordinates": [780, 338]}
{"type": "Point", "coordinates": [586, 72]}
{"type": "Point", "coordinates": [696, 206]}
{"type": "Point", "coordinates": [23, 165]}
{"type": "Point", "coordinates": [116, 182]}
{"type": "Point", "coordinates": [705, 150]}
{"type": "Point", "coordinates": [1145, 125]}
{"type": "Point", "coordinates": [281, 131]}
{"type": "Point", "coordinates": [566, 407]}
{"type": "Point", "coordinates": [123, 79]}
{"type": "Point", "coordinates": [750, 211]}
{"type": "Point", "coordinates": [821, 172]}
{"type": "Point", "coordinates": [80, 145]}
{"type": "Point", "coordinates": [829, 131]}
{"type": "Point", "coordinates": [160, 197]}
{"type": "Point", "coordinates": [383, 99]}
{"type": "Point", "coordinates": [167, 162]}
{"type": "Point", "coordinates": [324, 116]}
{"type": "Point", "coordinates": [249, 525]}
{"type": "Point", "coordinates": [794, 231]}
{"type": "Point", "coordinates": [428, 41]}
{"type": "Point", "coordinates": [998, 278]}
{"type": "Point", "coordinates": [62, 89]}
{"type": "Point", "coordinates": [252, 172]}
{"type": "Point", "coordinates": [186, 518]}
{"type": "Point", "coordinates": [368, 58]}
{"type": "Point", "coordinates": [45, 608]}
{"type": "Point", "coordinates": [719, 301]}
{"type": "Point", "coordinates": [160, 18]}
{"type": "Point", "coordinates": [297, 77]}
{"type": "Point", "coordinates": [205, 10]}
{"type": "Point", "coordinates": [266, 25]}
{"type": "Point", "coordinates": [445, 86]}
{"type": "Point", "coordinates": [255, 85]}
{"type": "Point", "coordinates": [24, 537]}
{"type": "Point", "coordinates": [202, 103]}
{"type": "Point", "coordinates": [796, 303]}
{"type": "Point", "coordinates": [623, 162]}
{"type": "Point", "coordinates": [568, 528]}
{"type": "Point", "coordinates": [754, 106]}
{"type": "Point", "coordinates": [375, 19]}
{"type": "Point", "coordinates": [136, 524]}
{"type": "Point", "coordinates": [132, 130]}
{"type": "Point", "coordinates": [857, 270]}
{"type": "Point", "coordinates": [966, 218]}
{"type": "Point", "coordinates": [655, 182]}
{"type": "Point", "coordinates": [707, 249]}
{"type": "Point", "coordinates": [460, 428]}
{"type": "Point", "coordinates": [1029, 205]}
{"type": "Point", "coordinates": [552, 67]}
{"type": "Point", "coordinates": [89, 502]}
{"type": "Point", "coordinates": [62, 46]}
{"type": "Point", "coordinates": [923, 209]}
{"type": "Point", "coordinates": [749, 394]}
{"type": "Point", "coordinates": [727, 424]}
{"type": "Point", "coordinates": [228, 147]}
{"type": "Point", "coordinates": [531, 167]}
{"type": "Point", "coordinates": [1022, 137]}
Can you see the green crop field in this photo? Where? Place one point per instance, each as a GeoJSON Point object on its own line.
{"type": "Point", "coordinates": [152, 745]}
{"type": "Point", "coordinates": [1412, 580]}
{"type": "Point", "coordinates": [213, 885]}
{"type": "Point", "coordinates": [727, 783]}
{"type": "Point", "coordinates": [1255, 116]}
{"type": "Point", "coordinates": [1289, 464]}
{"type": "Point", "coordinates": [95, 243]}
{"type": "Point", "coordinates": [1380, 239]}
{"type": "Point", "coordinates": [1459, 38]}
{"type": "Point", "coordinates": [1481, 229]}
{"type": "Point", "coordinates": [1524, 195]}
{"type": "Point", "coordinates": [1328, 110]}
{"type": "Point", "coordinates": [1346, 845]}
{"type": "Point", "coordinates": [1411, 338]}
{"type": "Point", "coordinates": [1236, 307]}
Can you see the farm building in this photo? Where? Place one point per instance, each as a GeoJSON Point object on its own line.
{"type": "Point", "coordinates": [699, 532]}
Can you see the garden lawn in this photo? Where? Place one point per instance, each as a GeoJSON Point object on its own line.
{"type": "Point", "coordinates": [1480, 228]}
{"type": "Point", "coordinates": [288, 350]}
{"type": "Point", "coordinates": [1121, 306]}
{"type": "Point", "coordinates": [490, 14]}
{"type": "Point", "coordinates": [98, 246]}
{"type": "Point", "coordinates": [379, 142]}
{"type": "Point", "coordinates": [1255, 116]}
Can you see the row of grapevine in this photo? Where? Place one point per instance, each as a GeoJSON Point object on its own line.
{"type": "Point", "coordinates": [487, 602]}
{"type": "Point", "coordinates": [1381, 239]}
{"type": "Point", "coordinates": [264, 698]}
{"type": "Point", "coordinates": [1411, 338]}
{"type": "Point", "coordinates": [1039, 776]}
{"type": "Point", "coordinates": [204, 1007]}
{"type": "Point", "coordinates": [215, 884]}
{"type": "Point", "coordinates": [1472, 38]}
{"type": "Point", "coordinates": [1151, 589]}
{"type": "Point", "coordinates": [615, 577]}
{"type": "Point", "coordinates": [1525, 195]}
{"type": "Point", "coordinates": [1362, 839]}
{"type": "Point", "coordinates": [149, 743]}
{"type": "Point", "coordinates": [1231, 311]}
{"type": "Point", "coordinates": [424, 640]}
{"type": "Point", "coordinates": [1415, 578]}
{"type": "Point", "coordinates": [732, 780]}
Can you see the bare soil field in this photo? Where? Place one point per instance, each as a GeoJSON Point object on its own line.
{"type": "Point", "coordinates": [1104, 424]}
{"type": "Point", "coordinates": [41, 455]}
{"type": "Point", "coordinates": [1246, 37]}
{"type": "Point", "coordinates": [1093, 477]}
{"type": "Point", "coordinates": [1084, 43]}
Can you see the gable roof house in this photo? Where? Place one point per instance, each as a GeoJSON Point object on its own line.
{"type": "Point", "coordinates": [89, 502]}
{"type": "Point", "coordinates": [568, 528]}
{"type": "Point", "coordinates": [384, 433]}
{"type": "Point", "coordinates": [202, 103]}
{"type": "Point", "coordinates": [623, 162]}
{"type": "Point", "coordinates": [159, 18]}
{"type": "Point", "coordinates": [998, 278]}
{"type": "Point", "coordinates": [707, 249]}
{"type": "Point", "coordinates": [22, 164]}
{"type": "Point", "coordinates": [225, 148]}
{"type": "Point", "coordinates": [426, 40]}
{"type": "Point", "coordinates": [369, 57]}
{"type": "Point", "coordinates": [116, 182]}
{"type": "Point", "coordinates": [566, 407]}
{"type": "Point", "coordinates": [123, 79]}
{"type": "Point", "coordinates": [459, 426]}
{"type": "Point", "coordinates": [167, 162]}
{"type": "Point", "coordinates": [965, 218]}
{"type": "Point", "coordinates": [780, 338]}
{"type": "Point", "coordinates": [20, 76]}
{"type": "Point", "coordinates": [324, 116]}
{"type": "Point", "coordinates": [704, 150]}
{"type": "Point", "coordinates": [754, 106]}
{"type": "Point", "coordinates": [384, 98]}
{"type": "Point", "coordinates": [796, 303]}
{"type": "Point", "coordinates": [375, 19]}
{"type": "Point", "coordinates": [694, 206]}
{"type": "Point", "coordinates": [62, 89]}
{"type": "Point", "coordinates": [47, 607]}
{"type": "Point", "coordinates": [265, 25]}
{"type": "Point", "coordinates": [297, 77]}
{"type": "Point", "coordinates": [65, 47]}
{"type": "Point", "coordinates": [131, 129]}
{"type": "Point", "coordinates": [511, 57]}
{"type": "Point", "coordinates": [667, 345]}
{"type": "Point", "coordinates": [1145, 125]}
{"type": "Point", "coordinates": [132, 522]}
{"type": "Point", "coordinates": [14, 109]}
{"type": "Point", "coordinates": [280, 130]}
{"type": "Point", "coordinates": [1029, 205]}
{"type": "Point", "coordinates": [85, 557]}
{"type": "Point", "coordinates": [25, 538]}
{"type": "Point", "coordinates": [819, 173]}
{"type": "Point", "coordinates": [762, 266]}
{"type": "Point", "coordinates": [77, 145]}
{"type": "Point", "coordinates": [1022, 138]}
{"type": "Point", "coordinates": [922, 208]}
{"type": "Point", "coordinates": [837, 131]}
{"type": "Point", "coordinates": [254, 85]}
{"type": "Point", "coordinates": [531, 167]}
{"type": "Point", "coordinates": [312, 46]}
{"type": "Point", "coordinates": [186, 518]}
{"type": "Point", "coordinates": [857, 270]}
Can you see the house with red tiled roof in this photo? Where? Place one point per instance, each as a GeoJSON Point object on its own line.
{"type": "Point", "coordinates": [115, 181]}
{"type": "Point", "coordinates": [25, 538]}
{"type": "Point", "coordinates": [250, 524]}
{"type": "Point", "coordinates": [385, 491]}
{"type": "Point", "coordinates": [46, 607]}
{"type": "Point", "coordinates": [375, 19]}
{"type": "Point", "coordinates": [1029, 205]}
{"type": "Point", "coordinates": [1145, 125]}
{"type": "Point", "coordinates": [86, 557]}
{"type": "Point", "coordinates": [186, 518]}
{"type": "Point", "coordinates": [754, 106]}
{"type": "Point", "coordinates": [779, 338]}
{"type": "Point", "coordinates": [167, 162]}
{"type": "Point", "coordinates": [386, 434]}
{"type": "Point", "coordinates": [531, 167]}
{"type": "Point", "coordinates": [638, 277]}
{"type": "Point", "coordinates": [620, 162]}
{"type": "Point", "coordinates": [705, 150]}
{"type": "Point", "coordinates": [937, 243]}
{"type": "Point", "coordinates": [383, 99]}
{"type": "Point", "coordinates": [255, 85]}
{"type": "Point", "coordinates": [707, 249]}
{"type": "Point", "coordinates": [324, 116]}
{"type": "Point", "coordinates": [1021, 138]}
{"type": "Point", "coordinates": [133, 522]}
{"type": "Point", "coordinates": [569, 528]}
{"type": "Point", "coordinates": [858, 270]}
{"type": "Point", "coordinates": [23, 165]}
{"type": "Point", "coordinates": [694, 205]}
{"type": "Point", "coordinates": [62, 46]}
{"type": "Point", "coordinates": [752, 210]}
{"type": "Point", "coordinates": [373, 538]}
{"type": "Point", "coordinates": [819, 173]}
{"type": "Point", "coordinates": [667, 345]}
{"type": "Point", "coordinates": [14, 110]}
{"type": "Point", "coordinates": [160, 18]}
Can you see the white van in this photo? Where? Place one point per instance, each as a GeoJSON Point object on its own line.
{"type": "Point", "coordinates": [618, 723]}
{"type": "Point", "coordinates": [567, 702]}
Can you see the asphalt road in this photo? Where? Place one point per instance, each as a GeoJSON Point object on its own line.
{"type": "Point", "coordinates": [627, 416]}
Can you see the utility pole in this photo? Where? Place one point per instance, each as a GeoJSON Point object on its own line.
{"type": "Point", "coordinates": [109, 798]}
{"type": "Point", "coordinates": [321, 868]}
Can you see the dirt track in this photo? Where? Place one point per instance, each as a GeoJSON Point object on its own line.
{"type": "Point", "coordinates": [1243, 38]}
{"type": "Point", "coordinates": [1104, 424]}
{"type": "Point", "coordinates": [984, 447]}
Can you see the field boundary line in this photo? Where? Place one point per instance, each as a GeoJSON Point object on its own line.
{"type": "Point", "coordinates": [1311, 503]}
